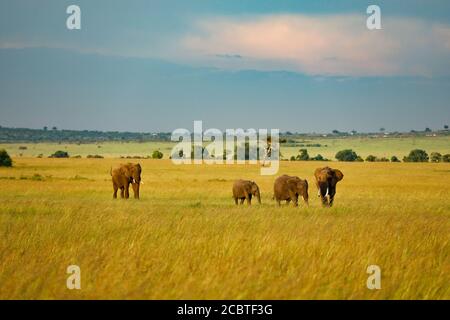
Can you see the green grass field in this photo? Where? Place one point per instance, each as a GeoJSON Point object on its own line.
{"type": "Point", "coordinates": [380, 147]}
{"type": "Point", "coordinates": [185, 238]}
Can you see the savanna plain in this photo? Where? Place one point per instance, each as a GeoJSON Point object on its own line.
{"type": "Point", "coordinates": [185, 238]}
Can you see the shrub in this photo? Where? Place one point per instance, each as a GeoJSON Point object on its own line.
{"type": "Point", "coordinates": [95, 156]}
{"type": "Point", "coordinates": [435, 157]}
{"type": "Point", "coordinates": [157, 154]}
{"type": "Point", "coordinates": [60, 154]}
{"type": "Point", "coordinates": [371, 158]}
{"type": "Point", "coordinates": [5, 159]}
{"type": "Point", "coordinates": [293, 158]}
{"type": "Point", "coordinates": [383, 159]}
{"type": "Point", "coordinates": [319, 157]}
{"type": "Point", "coordinates": [346, 155]}
{"type": "Point", "coordinates": [417, 155]}
{"type": "Point", "coordinates": [359, 159]}
{"type": "Point", "coordinates": [394, 159]}
{"type": "Point", "coordinates": [303, 156]}
{"type": "Point", "coordinates": [23, 148]}
{"type": "Point", "coordinates": [446, 158]}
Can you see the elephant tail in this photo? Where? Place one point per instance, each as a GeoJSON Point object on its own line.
{"type": "Point", "coordinates": [110, 171]}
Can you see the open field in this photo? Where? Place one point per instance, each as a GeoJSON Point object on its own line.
{"type": "Point", "coordinates": [364, 146]}
{"type": "Point", "coordinates": [186, 239]}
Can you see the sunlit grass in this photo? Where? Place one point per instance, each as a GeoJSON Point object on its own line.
{"type": "Point", "coordinates": [186, 239]}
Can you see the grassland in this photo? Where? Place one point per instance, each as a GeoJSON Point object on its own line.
{"type": "Point", "coordinates": [364, 146]}
{"type": "Point", "coordinates": [186, 239]}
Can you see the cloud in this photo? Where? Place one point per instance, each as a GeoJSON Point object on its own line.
{"type": "Point", "coordinates": [327, 45]}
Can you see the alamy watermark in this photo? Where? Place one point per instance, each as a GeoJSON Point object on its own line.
{"type": "Point", "coordinates": [241, 146]}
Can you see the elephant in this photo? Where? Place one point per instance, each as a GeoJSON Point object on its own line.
{"type": "Point", "coordinates": [125, 175]}
{"type": "Point", "coordinates": [289, 188]}
{"type": "Point", "coordinates": [326, 180]}
{"type": "Point", "coordinates": [245, 189]}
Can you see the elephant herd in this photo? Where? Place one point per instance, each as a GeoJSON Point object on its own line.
{"type": "Point", "coordinates": [285, 188]}
{"type": "Point", "coordinates": [290, 188]}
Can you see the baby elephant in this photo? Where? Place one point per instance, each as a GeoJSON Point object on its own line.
{"type": "Point", "coordinates": [290, 188]}
{"type": "Point", "coordinates": [245, 189]}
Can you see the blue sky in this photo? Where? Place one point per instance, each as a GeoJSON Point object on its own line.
{"type": "Point", "coordinates": [308, 66]}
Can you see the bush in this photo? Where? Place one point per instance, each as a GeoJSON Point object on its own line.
{"type": "Point", "coordinates": [394, 159]}
{"type": "Point", "coordinates": [371, 158]}
{"type": "Point", "coordinates": [319, 157]}
{"type": "Point", "coordinates": [303, 156]}
{"type": "Point", "coordinates": [293, 158]}
{"type": "Point", "coordinates": [157, 154]}
{"type": "Point", "coordinates": [359, 159]}
{"type": "Point", "coordinates": [446, 158]}
{"type": "Point", "coordinates": [5, 159]}
{"type": "Point", "coordinates": [417, 155]}
{"type": "Point", "coordinates": [60, 154]}
{"type": "Point", "coordinates": [95, 156]}
{"type": "Point", "coordinates": [435, 157]}
{"type": "Point", "coordinates": [346, 155]}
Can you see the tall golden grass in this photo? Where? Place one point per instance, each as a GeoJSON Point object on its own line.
{"type": "Point", "coordinates": [185, 238]}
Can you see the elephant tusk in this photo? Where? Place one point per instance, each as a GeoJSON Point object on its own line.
{"type": "Point", "coordinates": [326, 194]}
{"type": "Point", "coordinates": [318, 193]}
{"type": "Point", "coordinates": [142, 182]}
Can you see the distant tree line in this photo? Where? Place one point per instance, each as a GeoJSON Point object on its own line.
{"type": "Point", "coordinates": [75, 136]}
{"type": "Point", "coordinates": [349, 155]}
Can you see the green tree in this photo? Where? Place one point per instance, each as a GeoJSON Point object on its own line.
{"type": "Point", "coordinates": [417, 155]}
{"type": "Point", "coordinates": [394, 159]}
{"type": "Point", "coordinates": [446, 158]}
{"type": "Point", "coordinates": [157, 154]}
{"type": "Point", "coordinates": [371, 158]}
{"type": "Point", "coordinates": [346, 155]}
{"type": "Point", "coordinates": [5, 159]}
{"type": "Point", "coordinates": [435, 157]}
{"type": "Point", "coordinates": [303, 156]}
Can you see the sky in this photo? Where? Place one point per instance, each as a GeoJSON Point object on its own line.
{"type": "Point", "coordinates": [303, 66]}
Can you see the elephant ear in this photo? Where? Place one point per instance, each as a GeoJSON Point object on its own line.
{"type": "Point", "coordinates": [338, 175]}
{"type": "Point", "coordinates": [125, 169]}
{"type": "Point", "coordinates": [292, 183]}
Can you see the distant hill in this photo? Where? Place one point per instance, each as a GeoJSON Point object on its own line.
{"type": "Point", "coordinates": [75, 136]}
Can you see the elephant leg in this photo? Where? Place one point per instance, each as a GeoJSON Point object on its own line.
{"type": "Point", "coordinates": [279, 202]}
{"type": "Point", "coordinates": [122, 192]}
{"type": "Point", "coordinates": [288, 201]}
{"type": "Point", "coordinates": [115, 191]}
{"type": "Point", "coordinates": [236, 200]}
{"type": "Point", "coordinates": [127, 191]}
{"type": "Point", "coordinates": [295, 201]}
{"type": "Point", "coordinates": [242, 200]}
{"type": "Point", "coordinates": [249, 199]}
{"type": "Point", "coordinates": [332, 193]}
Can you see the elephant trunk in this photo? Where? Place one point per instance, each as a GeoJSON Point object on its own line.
{"type": "Point", "coordinates": [258, 195]}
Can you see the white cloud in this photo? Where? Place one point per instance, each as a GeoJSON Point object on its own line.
{"type": "Point", "coordinates": [338, 45]}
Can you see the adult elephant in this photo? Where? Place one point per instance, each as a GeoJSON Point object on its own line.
{"type": "Point", "coordinates": [289, 188]}
{"type": "Point", "coordinates": [244, 190]}
{"type": "Point", "coordinates": [125, 175]}
{"type": "Point", "coordinates": [326, 180]}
